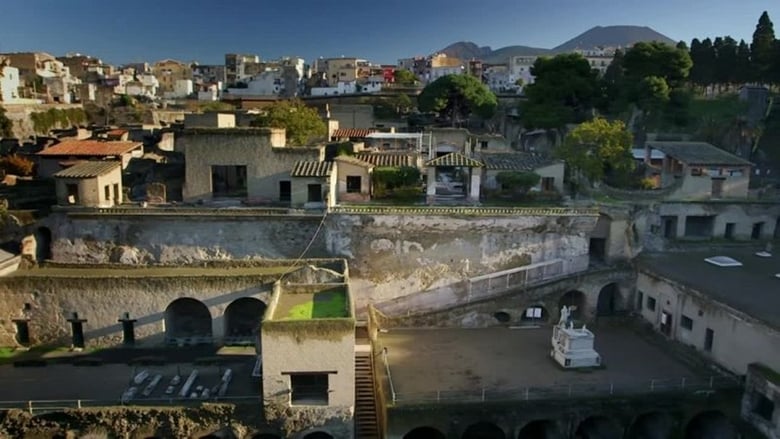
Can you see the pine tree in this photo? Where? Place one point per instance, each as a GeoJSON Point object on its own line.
{"type": "Point", "coordinates": [762, 51]}
{"type": "Point", "coordinates": [742, 65]}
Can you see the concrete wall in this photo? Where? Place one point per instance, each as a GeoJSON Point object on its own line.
{"type": "Point", "coordinates": [266, 164]}
{"type": "Point", "coordinates": [300, 191]}
{"type": "Point", "coordinates": [92, 190]}
{"type": "Point", "coordinates": [344, 169]}
{"type": "Point", "coordinates": [762, 383]}
{"type": "Point", "coordinates": [390, 255]}
{"type": "Point", "coordinates": [738, 338]}
{"type": "Point", "coordinates": [101, 300]}
{"type": "Point", "coordinates": [210, 120]}
{"type": "Point", "coordinates": [700, 187]}
{"type": "Point", "coordinates": [353, 116]}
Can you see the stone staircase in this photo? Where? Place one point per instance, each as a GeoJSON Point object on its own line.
{"type": "Point", "coordinates": [366, 420]}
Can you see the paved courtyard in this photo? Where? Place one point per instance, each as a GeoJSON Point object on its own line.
{"type": "Point", "coordinates": [434, 363]}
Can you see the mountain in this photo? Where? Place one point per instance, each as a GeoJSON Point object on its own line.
{"type": "Point", "coordinates": [599, 36]}
{"type": "Point", "coordinates": [612, 36]}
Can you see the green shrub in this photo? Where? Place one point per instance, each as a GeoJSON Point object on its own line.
{"type": "Point", "coordinates": [517, 181]}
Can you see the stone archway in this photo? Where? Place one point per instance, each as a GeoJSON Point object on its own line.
{"type": "Point", "coordinates": [535, 314]}
{"type": "Point", "coordinates": [242, 320]}
{"type": "Point", "coordinates": [483, 430]}
{"type": "Point", "coordinates": [598, 427]}
{"type": "Point", "coordinates": [576, 301]}
{"type": "Point", "coordinates": [652, 425]}
{"type": "Point", "coordinates": [609, 300]}
{"type": "Point", "coordinates": [540, 429]}
{"type": "Point", "coordinates": [187, 321]}
{"type": "Point", "coordinates": [318, 435]}
{"type": "Point", "coordinates": [424, 433]}
{"type": "Point", "coordinates": [711, 424]}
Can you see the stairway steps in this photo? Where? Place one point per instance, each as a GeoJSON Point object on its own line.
{"type": "Point", "coordinates": [366, 424]}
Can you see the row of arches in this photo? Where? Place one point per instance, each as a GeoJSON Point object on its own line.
{"type": "Point", "coordinates": [710, 424]}
{"type": "Point", "coordinates": [187, 318]}
{"type": "Point", "coordinates": [609, 303]}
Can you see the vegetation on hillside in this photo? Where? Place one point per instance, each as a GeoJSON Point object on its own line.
{"type": "Point", "coordinates": [43, 122]}
{"type": "Point", "coordinates": [457, 97]}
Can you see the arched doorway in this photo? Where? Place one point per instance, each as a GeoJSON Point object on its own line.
{"type": "Point", "coordinates": [424, 433]}
{"type": "Point", "coordinates": [242, 320]}
{"type": "Point", "coordinates": [653, 425]}
{"type": "Point", "coordinates": [711, 424]}
{"type": "Point", "coordinates": [483, 430]}
{"type": "Point", "coordinates": [540, 429]}
{"type": "Point", "coordinates": [318, 435]}
{"type": "Point", "coordinates": [609, 300]}
{"type": "Point", "coordinates": [42, 244]}
{"type": "Point", "coordinates": [598, 427]}
{"type": "Point", "coordinates": [187, 321]}
{"type": "Point", "coordinates": [535, 314]}
{"type": "Point", "coordinates": [502, 317]}
{"type": "Point", "coordinates": [575, 300]}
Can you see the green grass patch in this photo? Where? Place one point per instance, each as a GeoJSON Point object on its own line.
{"type": "Point", "coordinates": [324, 305]}
{"type": "Point", "coordinates": [7, 352]}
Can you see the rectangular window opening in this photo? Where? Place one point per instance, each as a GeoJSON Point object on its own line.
{"type": "Point", "coordinates": [285, 190]}
{"type": "Point", "coordinates": [763, 407]}
{"type": "Point", "coordinates": [651, 303]}
{"type": "Point", "coordinates": [686, 322]}
{"type": "Point", "coordinates": [309, 389]}
{"type": "Point", "coordinates": [709, 338]}
{"type": "Point", "coordinates": [73, 193]}
{"type": "Point", "coordinates": [354, 183]}
{"type": "Point", "coordinates": [228, 181]}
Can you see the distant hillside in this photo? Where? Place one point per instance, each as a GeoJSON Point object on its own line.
{"type": "Point", "coordinates": [599, 36]}
{"type": "Point", "coordinates": [467, 50]}
{"type": "Point", "coordinates": [612, 36]}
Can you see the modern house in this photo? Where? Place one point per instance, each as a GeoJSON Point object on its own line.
{"type": "Point", "coordinates": [701, 170]}
{"type": "Point", "coordinates": [65, 154]}
{"type": "Point", "coordinates": [90, 184]}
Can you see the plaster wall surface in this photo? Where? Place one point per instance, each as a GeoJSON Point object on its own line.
{"type": "Point", "coordinates": [738, 339]}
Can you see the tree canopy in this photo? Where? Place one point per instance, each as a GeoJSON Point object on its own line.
{"type": "Point", "coordinates": [763, 50]}
{"type": "Point", "coordinates": [657, 59]}
{"type": "Point", "coordinates": [565, 90]}
{"type": "Point", "coordinates": [457, 97]}
{"type": "Point", "coordinates": [405, 77]}
{"type": "Point", "coordinates": [596, 147]}
{"type": "Point", "coordinates": [302, 124]}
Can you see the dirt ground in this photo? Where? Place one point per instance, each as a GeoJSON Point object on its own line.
{"type": "Point", "coordinates": [431, 360]}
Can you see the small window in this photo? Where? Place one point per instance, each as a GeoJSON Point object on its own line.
{"type": "Point", "coordinates": [285, 190]}
{"type": "Point", "coordinates": [763, 407]}
{"type": "Point", "coordinates": [309, 389]}
{"type": "Point", "coordinates": [484, 144]}
{"type": "Point", "coordinates": [548, 184]}
{"type": "Point", "coordinates": [73, 193]}
{"type": "Point", "coordinates": [651, 303]}
{"type": "Point", "coordinates": [353, 184]}
{"type": "Point", "coordinates": [757, 231]}
{"type": "Point", "coordinates": [106, 192]}
{"type": "Point", "coordinates": [686, 323]}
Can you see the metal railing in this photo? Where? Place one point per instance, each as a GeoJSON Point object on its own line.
{"type": "Point", "coordinates": [36, 407]}
{"type": "Point", "coordinates": [465, 210]}
{"type": "Point", "coordinates": [689, 385]}
{"type": "Point", "coordinates": [389, 376]}
{"type": "Point", "coordinates": [475, 288]}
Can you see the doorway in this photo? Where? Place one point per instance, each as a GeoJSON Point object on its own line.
{"type": "Point", "coordinates": [666, 323]}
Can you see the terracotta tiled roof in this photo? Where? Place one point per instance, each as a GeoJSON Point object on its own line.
{"type": "Point", "coordinates": [116, 132]}
{"type": "Point", "coordinates": [88, 169]}
{"type": "Point", "coordinates": [349, 133]}
{"type": "Point", "coordinates": [454, 159]}
{"type": "Point", "coordinates": [354, 160]}
{"type": "Point", "coordinates": [310, 168]}
{"type": "Point", "coordinates": [90, 148]}
{"type": "Point", "coordinates": [514, 161]}
{"type": "Point", "coordinates": [388, 160]}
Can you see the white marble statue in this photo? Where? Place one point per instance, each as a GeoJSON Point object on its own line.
{"type": "Point", "coordinates": [565, 313]}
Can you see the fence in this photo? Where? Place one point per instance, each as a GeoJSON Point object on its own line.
{"type": "Point", "coordinates": [464, 211]}
{"type": "Point", "coordinates": [36, 407]}
{"type": "Point", "coordinates": [703, 386]}
{"type": "Point", "coordinates": [476, 288]}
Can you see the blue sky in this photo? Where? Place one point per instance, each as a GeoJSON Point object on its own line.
{"type": "Point", "coordinates": [382, 31]}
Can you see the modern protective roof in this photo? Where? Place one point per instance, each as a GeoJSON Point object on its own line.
{"type": "Point", "coordinates": [751, 288]}
{"type": "Point", "coordinates": [697, 153]}
{"type": "Point", "coordinates": [388, 159]}
{"type": "Point", "coordinates": [312, 168]}
{"type": "Point", "coordinates": [454, 159]}
{"type": "Point", "coordinates": [90, 148]}
{"type": "Point", "coordinates": [88, 169]}
{"type": "Point", "coordinates": [514, 161]}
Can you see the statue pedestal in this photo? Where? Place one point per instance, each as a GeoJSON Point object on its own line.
{"type": "Point", "coordinates": [573, 348]}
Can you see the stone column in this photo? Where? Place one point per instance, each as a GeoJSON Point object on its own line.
{"type": "Point", "coordinates": [475, 184]}
{"type": "Point", "coordinates": [430, 195]}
